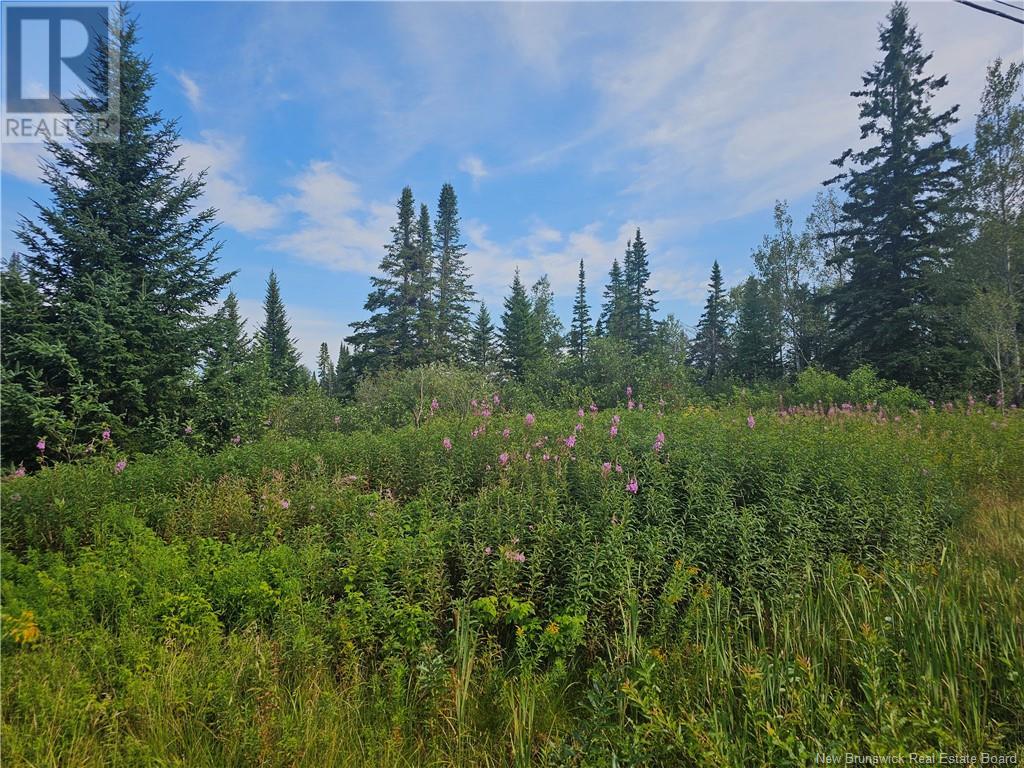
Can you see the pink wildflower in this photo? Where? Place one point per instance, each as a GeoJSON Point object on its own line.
{"type": "Point", "coordinates": [580, 413]}
{"type": "Point", "coordinates": [503, 459]}
{"type": "Point", "coordinates": [506, 432]}
{"type": "Point", "coordinates": [618, 469]}
{"type": "Point", "coordinates": [606, 468]}
{"type": "Point", "coordinates": [514, 556]}
{"type": "Point", "coordinates": [496, 399]}
{"type": "Point", "coordinates": [447, 443]}
{"type": "Point", "coordinates": [593, 407]}
{"type": "Point", "coordinates": [613, 431]}
{"type": "Point", "coordinates": [236, 440]}
{"type": "Point", "coordinates": [632, 486]}
{"type": "Point", "coordinates": [434, 405]}
{"type": "Point", "coordinates": [188, 430]}
{"type": "Point", "coordinates": [631, 405]}
{"type": "Point", "coordinates": [570, 441]}
{"type": "Point", "coordinates": [488, 550]}
{"type": "Point", "coordinates": [616, 419]}
{"type": "Point", "coordinates": [659, 442]}
{"type": "Point", "coordinates": [285, 503]}
{"type": "Point", "coordinates": [119, 467]}
{"type": "Point", "coordinates": [750, 421]}
{"type": "Point", "coordinates": [578, 428]}
{"type": "Point", "coordinates": [41, 445]}
{"type": "Point", "coordinates": [106, 435]}
{"type": "Point", "coordinates": [530, 419]}
{"type": "Point", "coordinates": [20, 471]}
{"type": "Point", "coordinates": [547, 457]}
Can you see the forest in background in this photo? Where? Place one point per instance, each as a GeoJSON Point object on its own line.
{"type": "Point", "coordinates": [908, 271]}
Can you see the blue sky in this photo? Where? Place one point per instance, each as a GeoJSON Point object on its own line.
{"type": "Point", "coordinates": [563, 127]}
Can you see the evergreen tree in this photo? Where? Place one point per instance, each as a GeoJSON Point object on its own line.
{"type": "Point", "coordinates": [388, 336]}
{"type": "Point", "coordinates": [325, 371]}
{"type": "Point", "coordinates": [550, 327]}
{"type": "Point", "coordinates": [902, 193]}
{"type": "Point", "coordinates": [344, 374]}
{"type": "Point", "coordinates": [124, 264]}
{"type": "Point", "coordinates": [453, 292]}
{"type": "Point", "coordinates": [521, 341]}
{"type": "Point", "coordinates": [275, 341]}
{"type": "Point", "coordinates": [481, 348]}
{"type": "Point", "coordinates": [234, 388]}
{"type": "Point", "coordinates": [639, 303]}
{"type": "Point", "coordinates": [708, 351]}
{"type": "Point", "coordinates": [580, 330]}
{"type": "Point", "coordinates": [612, 322]}
{"type": "Point", "coordinates": [754, 357]}
{"type": "Point", "coordinates": [423, 285]}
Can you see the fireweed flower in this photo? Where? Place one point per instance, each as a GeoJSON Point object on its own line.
{"type": "Point", "coordinates": [119, 467]}
{"type": "Point", "coordinates": [20, 471]}
{"type": "Point", "coordinates": [285, 503]}
{"type": "Point", "coordinates": [447, 444]}
{"type": "Point", "coordinates": [106, 435]}
{"type": "Point", "coordinates": [580, 413]}
{"type": "Point", "coordinates": [578, 428]}
{"type": "Point", "coordinates": [659, 442]}
{"type": "Point", "coordinates": [503, 459]}
{"type": "Point", "coordinates": [434, 405]}
{"type": "Point", "coordinates": [506, 432]}
{"type": "Point", "coordinates": [632, 485]}
{"type": "Point", "coordinates": [496, 399]}
{"type": "Point", "coordinates": [530, 419]}
{"type": "Point", "coordinates": [188, 430]}
{"type": "Point", "coordinates": [488, 550]}
{"type": "Point", "coordinates": [606, 468]}
{"type": "Point", "coordinates": [750, 422]}
{"type": "Point", "coordinates": [618, 469]}
{"type": "Point", "coordinates": [547, 457]}
{"type": "Point", "coordinates": [616, 419]}
{"type": "Point", "coordinates": [514, 556]}
{"type": "Point", "coordinates": [593, 407]}
{"type": "Point", "coordinates": [41, 445]}
{"type": "Point", "coordinates": [613, 431]}
{"type": "Point", "coordinates": [236, 440]}
{"type": "Point", "coordinates": [631, 405]}
{"type": "Point", "coordinates": [570, 441]}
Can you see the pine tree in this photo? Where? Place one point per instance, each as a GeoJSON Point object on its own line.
{"type": "Point", "coordinates": [481, 348]}
{"type": "Point", "coordinates": [708, 351]}
{"type": "Point", "coordinates": [902, 193]}
{"type": "Point", "coordinates": [639, 297]}
{"type": "Point", "coordinates": [275, 341]}
{"type": "Point", "coordinates": [580, 330]}
{"type": "Point", "coordinates": [124, 264]}
{"type": "Point", "coordinates": [453, 293]}
{"type": "Point", "coordinates": [344, 374]}
{"type": "Point", "coordinates": [388, 336]}
{"type": "Point", "coordinates": [325, 371]}
{"type": "Point", "coordinates": [613, 311]}
{"type": "Point", "coordinates": [551, 331]}
{"type": "Point", "coordinates": [755, 357]}
{"type": "Point", "coordinates": [423, 286]}
{"type": "Point", "coordinates": [521, 341]}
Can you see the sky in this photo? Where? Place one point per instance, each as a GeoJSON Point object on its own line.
{"type": "Point", "coordinates": [562, 126]}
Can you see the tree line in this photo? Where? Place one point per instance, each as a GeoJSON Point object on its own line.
{"type": "Point", "coordinates": [910, 262]}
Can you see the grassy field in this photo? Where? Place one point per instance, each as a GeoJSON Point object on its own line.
{"type": "Point", "coordinates": [695, 588]}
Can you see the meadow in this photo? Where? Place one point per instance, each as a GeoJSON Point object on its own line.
{"type": "Point", "coordinates": [666, 586]}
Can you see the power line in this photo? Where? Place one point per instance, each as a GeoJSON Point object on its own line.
{"type": "Point", "coordinates": [1009, 5]}
{"type": "Point", "coordinates": [993, 11]}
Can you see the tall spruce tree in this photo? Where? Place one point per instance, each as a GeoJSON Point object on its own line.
{"type": "Point", "coordinates": [902, 192]}
{"type": "Point", "coordinates": [639, 297]}
{"type": "Point", "coordinates": [325, 370]}
{"type": "Point", "coordinates": [423, 284]}
{"type": "Point", "coordinates": [126, 266]}
{"type": "Point", "coordinates": [521, 341]}
{"type": "Point", "coordinates": [275, 341]}
{"type": "Point", "coordinates": [612, 322]}
{"type": "Point", "coordinates": [453, 291]}
{"type": "Point", "coordinates": [388, 336]}
{"type": "Point", "coordinates": [709, 348]}
{"type": "Point", "coordinates": [580, 330]}
{"type": "Point", "coordinates": [481, 347]}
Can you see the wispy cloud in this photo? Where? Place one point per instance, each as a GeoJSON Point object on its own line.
{"type": "Point", "coordinates": [474, 167]}
{"type": "Point", "coordinates": [226, 187]}
{"type": "Point", "coordinates": [190, 88]}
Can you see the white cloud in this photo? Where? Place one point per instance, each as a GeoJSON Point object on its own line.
{"type": "Point", "coordinates": [226, 186]}
{"type": "Point", "coordinates": [473, 166]}
{"type": "Point", "coordinates": [190, 88]}
{"type": "Point", "coordinates": [336, 229]}
{"type": "Point", "coordinates": [22, 161]}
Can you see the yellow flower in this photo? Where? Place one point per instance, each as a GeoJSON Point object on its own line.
{"type": "Point", "coordinates": [23, 628]}
{"type": "Point", "coordinates": [552, 628]}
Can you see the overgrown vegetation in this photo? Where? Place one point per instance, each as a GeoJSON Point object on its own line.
{"type": "Point", "coordinates": [698, 587]}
